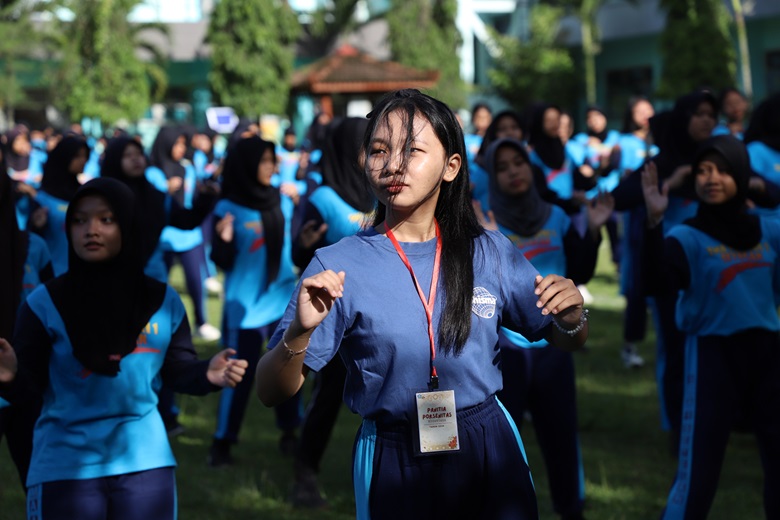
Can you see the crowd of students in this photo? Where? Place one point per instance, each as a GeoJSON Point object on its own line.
{"type": "Point", "coordinates": [433, 279]}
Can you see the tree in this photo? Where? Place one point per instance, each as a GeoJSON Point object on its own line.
{"type": "Point", "coordinates": [433, 44]}
{"type": "Point", "coordinates": [19, 40]}
{"type": "Point", "coordinates": [696, 47]}
{"type": "Point", "coordinates": [100, 73]}
{"type": "Point", "coordinates": [590, 45]}
{"type": "Point", "coordinates": [537, 69]}
{"type": "Point", "coordinates": [744, 52]}
{"type": "Point", "coordinates": [252, 54]}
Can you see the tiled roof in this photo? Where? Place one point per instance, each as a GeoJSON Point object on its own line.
{"type": "Point", "coordinates": [349, 71]}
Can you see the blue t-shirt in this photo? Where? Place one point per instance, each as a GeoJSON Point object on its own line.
{"type": "Point", "coordinates": [593, 152]}
{"type": "Point", "coordinates": [634, 152]}
{"type": "Point", "coordinates": [342, 219]}
{"type": "Point", "coordinates": [765, 161]}
{"type": "Point", "coordinates": [380, 330]}
{"type": "Point", "coordinates": [38, 258]}
{"type": "Point", "coordinates": [729, 290]}
{"type": "Point", "coordinates": [473, 142]}
{"type": "Point", "coordinates": [546, 253]}
{"type": "Point", "coordinates": [175, 239]}
{"type": "Point", "coordinates": [54, 232]}
{"type": "Point", "coordinates": [561, 181]}
{"type": "Point", "coordinates": [723, 129]}
{"type": "Point", "coordinates": [82, 434]}
{"type": "Point", "coordinates": [250, 302]}
{"type": "Point", "coordinates": [479, 185]}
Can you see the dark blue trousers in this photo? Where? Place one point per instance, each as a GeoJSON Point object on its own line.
{"type": "Point", "coordinates": [670, 361]}
{"type": "Point", "coordinates": [249, 344]}
{"type": "Point", "coordinates": [321, 414]}
{"type": "Point", "coordinates": [193, 262]}
{"type": "Point", "coordinates": [146, 495]}
{"type": "Point", "coordinates": [727, 379]}
{"type": "Point", "coordinates": [487, 479]}
{"type": "Point", "coordinates": [541, 381]}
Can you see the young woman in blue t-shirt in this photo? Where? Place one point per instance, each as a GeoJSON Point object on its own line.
{"type": "Point", "coordinates": [423, 365]}
{"type": "Point", "coordinates": [96, 344]}
{"type": "Point", "coordinates": [723, 267]}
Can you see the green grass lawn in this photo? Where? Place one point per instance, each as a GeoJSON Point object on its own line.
{"type": "Point", "coordinates": [628, 469]}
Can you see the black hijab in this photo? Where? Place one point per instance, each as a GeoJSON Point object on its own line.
{"type": "Point", "coordinates": [601, 136]}
{"type": "Point", "coordinates": [57, 180]}
{"type": "Point", "coordinates": [629, 125]}
{"type": "Point", "coordinates": [14, 161]}
{"type": "Point", "coordinates": [524, 214]}
{"type": "Point", "coordinates": [670, 131]}
{"type": "Point", "coordinates": [240, 185]}
{"type": "Point", "coordinates": [105, 305]}
{"type": "Point", "coordinates": [490, 134]}
{"type": "Point", "coordinates": [149, 206]}
{"type": "Point", "coordinates": [549, 149]}
{"type": "Point", "coordinates": [244, 125]}
{"type": "Point", "coordinates": [161, 156]}
{"type": "Point", "coordinates": [13, 254]}
{"type": "Point", "coordinates": [765, 124]}
{"type": "Point", "coordinates": [730, 221]}
{"type": "Point", "coordinates": [339, 163]}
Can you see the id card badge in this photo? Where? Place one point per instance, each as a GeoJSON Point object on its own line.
{"type": "Point", "coordinates": [437, 422]}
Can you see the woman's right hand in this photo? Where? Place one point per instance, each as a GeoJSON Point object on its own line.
{"type": "Point", "coordinates": [224, 228]}
{"type": "Point", "coordinates": [316, 297]}
{"type": "Point", "coordinates": [8, 364]}
{"type": "Point", "coordinates": [488, 220]}
{"type": "Point", "coordinates": [656, 200]}
{"type": "Point", "coordinates": [311, 233]}
{"type": "Point", "coordinates": [175, 184]}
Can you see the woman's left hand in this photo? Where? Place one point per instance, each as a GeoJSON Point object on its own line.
{"type": "Point", "coordinates": [559, 296]}
{"type": "Point", "coordinates": [226, 371]}
{"type": "Point", "coordinates": [488, 220]}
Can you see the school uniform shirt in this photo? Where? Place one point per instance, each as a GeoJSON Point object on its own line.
{"type": "Point", "coordinates": [479, 185]}
{"type": "Point", "coordinates": [32, 177]}
{"type": "Point", "coordinates": [545, 250]}
{"type": "Point", "coordinates": [289, 162]}
{"type": "Point", "coordinates": [723, 129]}
{"type": "Point", "coordinates": [765, 161]}
{"type": "Point", "coordinates": [91, 425]}
{"type": "Point", "coordinates": [380, 329]}
{"type": "Point", "coordinates": [175, 239]}
{"type": "Point", "coordinates": [37, 266]}
{"type": "Point", "coordinates": [729, 290]}
{"type": "Point", "coordinates": [250, 301]}
{"type": "Point", "coordinates": [473, 142]}
{"type": "Point", "coordinates": [203, 167]}
{"type": "Point", "coordinates": [343, 220]}
{"type": "Point", "coordinates": [560, 180]}
{"type": "Point", "coordinates": [55, 233]}
{"type": "Point", "coordinates": [634, 152]}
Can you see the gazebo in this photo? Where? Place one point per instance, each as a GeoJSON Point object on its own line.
{"type": "Point", "coordinates": [348, 74]}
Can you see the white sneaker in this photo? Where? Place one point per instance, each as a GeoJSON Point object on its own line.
{"type": "Point", "coordinates": [587, 298]}
{"type": "Point", "coordinates": [630, 357]}
{"type": "Point", "coordinates": [213, 286]}
{"type": "Point", "coordinates": [207, 332]}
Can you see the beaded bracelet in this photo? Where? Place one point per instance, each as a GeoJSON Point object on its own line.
{"type": "Point", "coordinates": [575, 330]}
{"type": "Point", "coordinates": [292, 353]}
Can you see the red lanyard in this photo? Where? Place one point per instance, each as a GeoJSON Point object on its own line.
{"type": "Point", "coordinates": [428, 305]}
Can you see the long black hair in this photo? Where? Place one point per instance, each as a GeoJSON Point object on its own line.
{"type": "Point", "coordinates": [457, 222]}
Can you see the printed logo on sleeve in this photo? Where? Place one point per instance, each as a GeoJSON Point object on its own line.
{"type": "Point", "coordinates": [483, 304]}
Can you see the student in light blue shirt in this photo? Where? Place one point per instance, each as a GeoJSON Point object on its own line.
{"type": "Point", "coordinates": [100, 450]}
{"type": "Point", "coordinates": [252, 244]}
